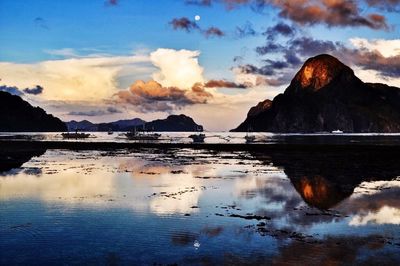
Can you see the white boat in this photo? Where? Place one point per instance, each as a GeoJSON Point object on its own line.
{"type": "Point", "coordinates": [198, 138]}
{"type": "Point", "coordinates": [142, 135]}
{"type": "Point", "coordinates": [337, 131]}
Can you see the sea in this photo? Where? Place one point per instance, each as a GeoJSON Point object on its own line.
{"type": "Point", "coordinates": [184, 206]}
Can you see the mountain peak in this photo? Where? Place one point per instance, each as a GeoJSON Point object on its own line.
{"type": "Point", "coordinates": [319, 71]}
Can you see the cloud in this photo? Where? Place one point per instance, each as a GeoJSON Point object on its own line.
{"type": "Point", "coordinates": [184, 23]}
{"type": "Point", "coordinates": [213, 31]}
{"type": "Point", "coordinates": [35, 91]}
{"type": "Point", "coordinates": [245, 30]}
{"type": "Point", "coordinates": [385, 215]}
{"type": "Point", "coordinates": [188, 25]}
{"type": "Point", "coordinates": [224, 84]}
{"type": "Point", "coordinates": [389, 5]}
{"type": "Point", "coordinates": [279, 29]}
{"type": "Point", "coordinates": [11, 89]}
{"type": "Point", "coordinates": [328, 12]}
{"type": "Point", "coordinates": [177, 68]}
{"type": "Point", "coordinates": [199, 2]}
{"type": "Point", "coordinates": [151, 96]}
{"type": "Point", "coordinates": [41, 23]}
{"type": "Point", "coordinates": [16, 91]}
{"type": "Point", "coordinates": [89, 79]}
{"type": "Point", "coordinates": [109, 110]}
{"type": "Point", "coordinates": [333, 13]}
{"type": "Point", "coordinates": [111, 2]}
{"type": "Point", "coordinates": [387, 48]}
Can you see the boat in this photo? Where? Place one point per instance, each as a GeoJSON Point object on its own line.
{"type": "Point", "coordinates": [110, 132]}
{"type": "Point", "coordinates": [75, 135]}
{"type": "Point", "coordinates": [198, 138]}
{"type": "Point", "coordinates": [141, 135]}
{"type": "Point", "coordinates": [337, 131]}
{"type": "Point", "coordinates": [249, 138]}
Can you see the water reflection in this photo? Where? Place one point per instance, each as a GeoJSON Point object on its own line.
{"type": "Point", "coordinates": [10, 159]}
{"type": "Point", "coordinates": [186, 206]}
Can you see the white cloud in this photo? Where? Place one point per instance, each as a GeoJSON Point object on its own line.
{"type": "Point", "coordinates": [385, 215]}
{"type": "Point", "coordinates": [75, 79]}
{"type": "Point", "coordinates": [179, 68]}
{"type": "Point", "coordinates": [387, 48]}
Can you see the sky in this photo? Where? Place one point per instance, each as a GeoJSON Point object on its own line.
{"type": "Point", "coordinates": [104, 60]}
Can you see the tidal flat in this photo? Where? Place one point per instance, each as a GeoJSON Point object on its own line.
{"type": "Point", "coordinates": [199, 207]}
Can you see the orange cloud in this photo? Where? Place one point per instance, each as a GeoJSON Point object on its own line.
{"type": "Point", "coordinates": [151, 96]}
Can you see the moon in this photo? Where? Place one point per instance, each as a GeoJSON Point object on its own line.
{"type": "Point", "coordinates": [197, 17]}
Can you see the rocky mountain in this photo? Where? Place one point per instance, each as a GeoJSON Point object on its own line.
{"type": "Point", "coordinates": [120, 125]}
{"type": "Point", "coordinates": [171, 123]}
{"type": "Point", "coordinates": [174, 123]}
{"type": "Point", "coordinates": [18, 115]}
{"type": "Point", "coordinates": [325, 95]}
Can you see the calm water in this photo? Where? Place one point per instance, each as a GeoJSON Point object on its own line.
{"type": "Point", "coordinates": [224, 137]}
{"type": "Point", "coordinates": [199, 208]}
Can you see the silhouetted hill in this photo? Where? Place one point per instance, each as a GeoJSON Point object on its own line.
{"type": "Point", "coordinates": [325, 95]}
{"type": "Point", "coordinates": [120, 125]}
{"type": "Point", "coordinates": [171, 123]}
{"type": "Point", "coordinates": [174, 123]}
{"type": "Point", "coordinates": [18, 115]}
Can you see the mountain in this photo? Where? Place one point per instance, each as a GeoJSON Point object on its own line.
{"type": "Point", "coordinates": [174, 123]}
{"type": "Point", "coordinates": [171, 123]}
{"type": "Point", "coordinates": [120, 125]}
{"type": "Point", "coordinates": [18, 115]}
{"type": "Point", "coordinates": [81, 125]}
{"type": "Point", "coordinates": [325, 95]}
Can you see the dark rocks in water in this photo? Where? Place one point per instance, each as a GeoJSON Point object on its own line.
{"type": "Point", "coordinates": [325, 95]}
{"type": "Point", "coordinates": [174, 123]}
{"type": "Point", "coordinates": [17, 115]}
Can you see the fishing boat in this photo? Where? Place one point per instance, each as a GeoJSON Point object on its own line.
{"type": "Point", "coordinates": [142, 135]}
{"type": "Point", "coordinates": [249, 138]}
{"type": "Point", "coordinates": [337, 131]}
{"type": "Point", "coordinates": [75, 135]}
{"type": "Point", "coordinates": [198, 138]}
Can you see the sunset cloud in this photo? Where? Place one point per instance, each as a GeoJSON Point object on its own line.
{"type": "Point", "coordinates": [224, 84]}
{"type": "Point", "coordinates": [151, 96]}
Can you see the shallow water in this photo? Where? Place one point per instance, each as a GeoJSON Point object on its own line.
{"type": "Point", "coordinates": [200, 207]}
{"type": "Point", "coordinates": [222, 137]}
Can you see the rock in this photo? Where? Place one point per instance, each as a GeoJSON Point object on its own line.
{"type": "Point", "coordinates": [325, 95]}
{"type": "Point", "coordinates": [174, 123]}
{"type": "Point", "coordinates": [17, 115]}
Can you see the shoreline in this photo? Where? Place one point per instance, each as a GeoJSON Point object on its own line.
{"type": "Point", "coordinates": [277, 147]}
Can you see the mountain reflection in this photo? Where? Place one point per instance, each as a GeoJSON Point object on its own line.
{"type": "Point", "coordinates": [10, 159]}
{"type": "Point", "coordinates": [323, 180]}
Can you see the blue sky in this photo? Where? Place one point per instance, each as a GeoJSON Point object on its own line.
{"type": "Point", "coordinates": [35, 31]}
